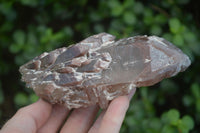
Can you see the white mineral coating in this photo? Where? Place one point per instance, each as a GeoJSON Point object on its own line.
{"type": "Point", "coordinates": [98, 69]}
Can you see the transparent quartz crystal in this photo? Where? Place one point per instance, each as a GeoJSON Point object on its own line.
{"type": "Point", "coordinates": [99, 69]}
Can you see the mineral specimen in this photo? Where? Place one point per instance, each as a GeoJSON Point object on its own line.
{"type": "Point", "coordinates": [98, 69]}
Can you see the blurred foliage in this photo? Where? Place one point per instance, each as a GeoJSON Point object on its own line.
{"type": "Point", "coordinates": [28, 28]}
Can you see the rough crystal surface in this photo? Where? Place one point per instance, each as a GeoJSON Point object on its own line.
{"type": "Point", "coordinates": [99, 68]}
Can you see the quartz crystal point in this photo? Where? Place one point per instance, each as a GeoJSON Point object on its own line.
{"type": "Point", "coordinates": [99, 68]}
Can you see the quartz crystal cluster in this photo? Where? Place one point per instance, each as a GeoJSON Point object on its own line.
{"type": "Point", "coordinates": [100, 68]}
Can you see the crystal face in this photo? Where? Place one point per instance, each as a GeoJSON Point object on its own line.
{"type": "Point", "coordinates": [99, 68]}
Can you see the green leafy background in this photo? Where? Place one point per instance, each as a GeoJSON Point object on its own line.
{"type": "Point", "coordinates": [30, 27]}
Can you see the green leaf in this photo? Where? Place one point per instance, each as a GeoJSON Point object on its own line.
{"type": "Point", "coordinates": [182, 127]}
{"type": "Point", "coordinates": [98, 28]}
{"type": "Point", "coordinates": [188, 100]}
{"type": "Point", "coordinates": [195, 90]}
{"type": "Point", "coordinates": [21, 99]}
{"type": "Point", "coordinates": [31, 38]}
{"type": "Point", "coordinates": [130, 121]}
{"type": "Point", "coordinates": [156, 30]}
{"type": "Point", "coordinates": [148, 17]}
{"type": "Point", "coordinates": [144, 92]}
{"type": "Point", "coordinates": [173, 116]}
{"type": "Point", "coordinates": [6, 27]}
{"type": "Point", "coordinates": [185, 124]}
{"type": "Point", "coordinates": [160, 19]}
{"type": "Point", "coordinates": [168, 36]}
{"type": "Point", "coordinates": [14, 48]}
{"type": "Point", "coordinates": [117, 11]}
{"type": "Point", "coordinates": [128, 4]}
{"type": "Point", "coordinates": [190, 36]}
{"type": "Point", "coordinates": [188, 122]}
{"type": "Point", "coordinates": [198, 105]}
{"type": "Point", "coordinates": [116, 8]}
{"type": "Point", "coordinates": [169, 86]}
{"type": "Point", "coordinates": [178, 40]}
{"type": "Point", "coordinates": [94, 16]}
{"type": "Point", "coordinates": [138, 8]}
{"type": "Point", "coordinates": [19, 37]}
{"type": "Point", "coordinates": [129, 18]}
{"type": "Point", "coordinates": [7, 10]}
{"type": "Point", "coordinates": [68, 31]}
{"type": "Point", "coordinates": [168, 129]}
{"type": "Point", "coordinates": [116, 26]}
{"type": "Point", "coordinates": [19, 59]}
{"type": "Point", "coordinates": [33, 98]}
{"type": "Point", "coordinates": [47, 36]}
{"type": "Point", "coordinates": [174, 25]}
{"type": "Point", "coordinates": [58, 36]}
{"type": "Point", "coordinates": [155, 123]}
{"type": "Point", "coordinates": [31, 3]}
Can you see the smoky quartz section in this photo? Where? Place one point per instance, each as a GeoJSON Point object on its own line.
{"type": "Point", "coordinates": [100, 68]}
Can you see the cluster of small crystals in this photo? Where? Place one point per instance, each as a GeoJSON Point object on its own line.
{"type": "Point", "coordinates": [98, 69]}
